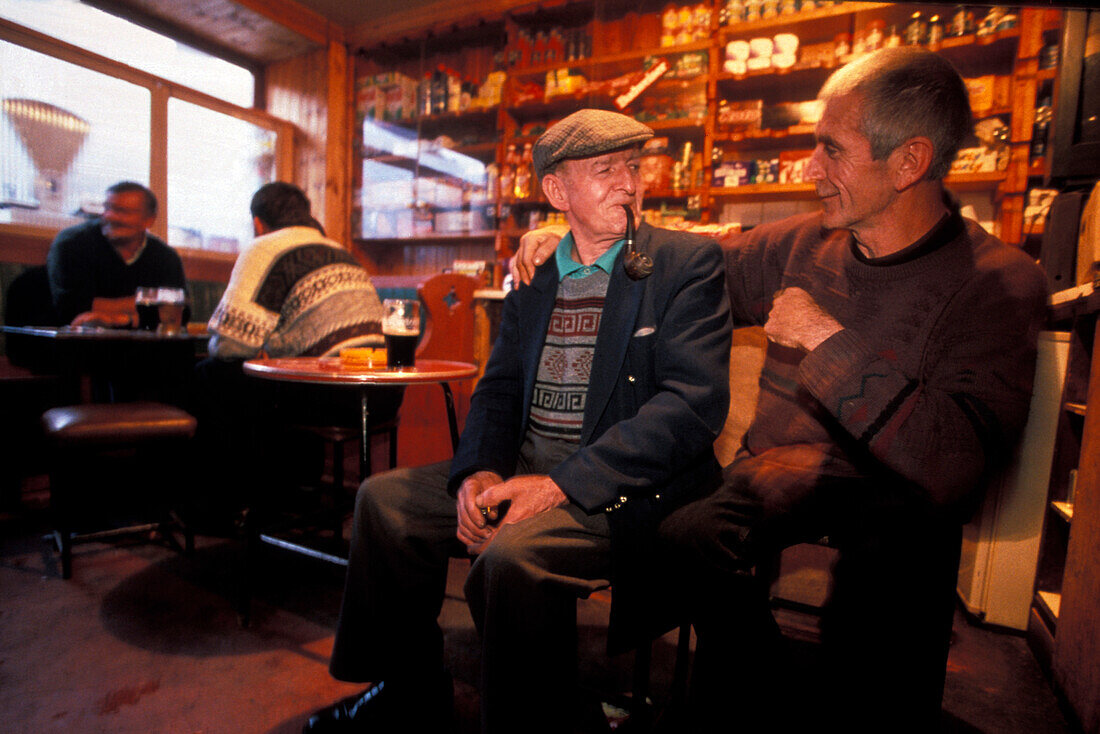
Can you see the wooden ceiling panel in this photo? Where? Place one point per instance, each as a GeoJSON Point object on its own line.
{"type": "Point", "coordinates": [229, 25]}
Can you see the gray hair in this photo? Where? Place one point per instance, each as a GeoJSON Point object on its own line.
{"type": "Point", "coordinates": [907, 91]}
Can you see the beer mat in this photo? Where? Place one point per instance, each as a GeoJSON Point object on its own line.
{"type": "Point", "coordinates": [336, 364]}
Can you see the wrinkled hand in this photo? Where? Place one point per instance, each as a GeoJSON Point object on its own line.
{"type": "Point", "coordinates": [797, 321]}
{"type": "Point", "coordinates": [535, 248]}
{"type": "Point", "coordinates": [527, 496]}
{"type": "Point", "coordinates": [473, 526]}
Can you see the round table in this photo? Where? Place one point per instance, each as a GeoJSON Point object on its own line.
{"type": "Point", "coordinates": [332, 371]}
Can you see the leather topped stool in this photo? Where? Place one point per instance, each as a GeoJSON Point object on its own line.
{"type": "Point", "coordinates": [98, 449]}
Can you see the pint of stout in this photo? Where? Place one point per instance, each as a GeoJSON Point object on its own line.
{"type": "Point", "coordinates": [160, 309]}
{"type": "Point", "coordinates": [401, 328]}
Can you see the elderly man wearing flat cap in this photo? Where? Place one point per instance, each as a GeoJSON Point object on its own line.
{"type": "Point", "coordinates": [595, 418]}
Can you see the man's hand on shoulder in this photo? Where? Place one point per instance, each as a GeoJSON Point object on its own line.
{"type": "Point", "coordinates": [535, 248]}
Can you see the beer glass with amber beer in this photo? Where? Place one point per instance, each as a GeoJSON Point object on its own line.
{"type": "Point", "coordinates": [400, 328]}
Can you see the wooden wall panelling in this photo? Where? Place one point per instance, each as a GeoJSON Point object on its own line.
{"type": "Point", "coordinates": [297, 91]}
{"type": "Point", "coordinates": [158, 158]}
{"type": "Point", "coordinates": [337, 199]}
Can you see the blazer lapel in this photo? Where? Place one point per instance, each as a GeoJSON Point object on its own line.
{"type": "Point", "coordinates": [624, 297]}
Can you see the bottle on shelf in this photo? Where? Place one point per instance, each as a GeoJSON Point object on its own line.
{"type": "Point", "coordinates": [426, 89]}
{"type": "Point", "coordinates": [492, 182]}
{"type": "Point", "coordinates": [508, 174]}
{"type": "Point", "coordinates": [935, 32]}
{"type": "Point", "coordinates": [1040, 128]}
{"type": "Point", "coordinates": [454, 90]}
{"type": "Point", "coordinates": [555, 47]}
{"type": "Point", "coordinates": [893, 38]}
{"type": "Point", "coordinates": [538, 49]}
{"type": "Point", "coordinates": [916, 33]}
{"type": "Point", "coordinates": [525, 174]}
{"type": "Point", "coordinates": [439, 91]}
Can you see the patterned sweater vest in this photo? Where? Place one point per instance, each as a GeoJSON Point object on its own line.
{"type": "Point", "coordinates": [561, 387]}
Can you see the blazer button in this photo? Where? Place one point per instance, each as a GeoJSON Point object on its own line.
{"type": "Point", "coordinates": [630, 378]}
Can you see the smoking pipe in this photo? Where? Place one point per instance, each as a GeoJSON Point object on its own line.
{"type": "Point", "coordinates": [637, 265]}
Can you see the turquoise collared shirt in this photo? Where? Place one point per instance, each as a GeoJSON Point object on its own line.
{"type": "Point", "coordinates": [568, 267]}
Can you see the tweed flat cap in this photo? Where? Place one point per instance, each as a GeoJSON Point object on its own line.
{"type": "Point", "coordinates": [586, 133]}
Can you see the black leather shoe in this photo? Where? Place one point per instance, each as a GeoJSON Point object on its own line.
{"type": "Point", "coordinates": [385, 708]}
{"type": "Point", "coordinates": [353, 712]}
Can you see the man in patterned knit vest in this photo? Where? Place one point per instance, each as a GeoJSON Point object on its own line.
{"type": "Point", "coordinates": [897, 378]}
{"type": "Point", "coordinates": [595, 417]}
{"type": "Point", "coordinates": [293, 292]}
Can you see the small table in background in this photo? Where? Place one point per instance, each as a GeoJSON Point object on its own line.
{"type": "Point", "coordinates": [90, 353]}
{"type": "Point", "coordinates": [331, 371]}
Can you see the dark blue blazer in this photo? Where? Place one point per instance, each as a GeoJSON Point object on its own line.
{"type": "Point", "coordinates": [657, 397]}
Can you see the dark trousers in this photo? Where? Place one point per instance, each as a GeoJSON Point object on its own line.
{"type": "Point", "coordinates": [886, 627]}
{"type": "Point", "coordinates": [522, 592]}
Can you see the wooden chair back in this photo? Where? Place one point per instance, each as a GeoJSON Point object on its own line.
{"type": "Point", "coordinates": [448, 325]}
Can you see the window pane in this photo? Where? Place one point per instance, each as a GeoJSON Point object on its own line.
{"type": "Point", "coordinates": [215, 163]}
{"type": "Point", "coordinates": [129, 43]}
{"type": "Point", "coordinates": [66, 134]}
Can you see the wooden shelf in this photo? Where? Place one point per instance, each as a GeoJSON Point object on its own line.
{"type": "Point", "coordinates": [758, 27]}
{"type": "Point", "coordinates": [975, 181]}
{"type": "Point", "coordinates": [590, 63]}
{"type": "Point", "coordinates": [766, 191]}
{"type": "Point", "coordinates": [672, 193]}
{"type": "Point", "coordinates": [434, 239]}
{"type": "Point", "coordinates": [973, 55]}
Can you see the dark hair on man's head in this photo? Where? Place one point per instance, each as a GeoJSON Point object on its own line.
{"type": "Point", "coordinates": [906, 92]}
{"type": "Point", "coordinates": [280, 204]}
{"type": "Point", "coordinates": [124, 187]}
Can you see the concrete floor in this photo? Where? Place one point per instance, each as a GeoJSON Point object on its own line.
{"type": "Point", "coordinates": [142, 639]}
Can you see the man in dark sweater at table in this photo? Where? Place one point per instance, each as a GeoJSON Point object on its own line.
{"type": "Point", "coordinates": [898, 372]}
{"type": "Point", "coordinates": [94, 268]}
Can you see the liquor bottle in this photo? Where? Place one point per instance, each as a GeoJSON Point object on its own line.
{"type": "Point", "coordinates": [524, 174]}
{"type": "Point", "coordinates": [426, 94]}
{"type": "Point", "coordinates": [492, 182]}
{"type": "Point", "coordinates": [916, 33]}
{"type": "Point", "coordinates": [1040, 129]}
{"type": "Point", "coordinates": [439, 91]}
{"type": "Point", "coordinates": [555, 47]}
{"type": "Point", "coordinates": [538, 49]}
{"type": "Point", "coordinates": [454, 90]}
{"type": "Point", "coordinates": [508, 174]}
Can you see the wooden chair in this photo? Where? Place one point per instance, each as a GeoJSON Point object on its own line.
{"type": "Point", "coordinates": [448, 333]}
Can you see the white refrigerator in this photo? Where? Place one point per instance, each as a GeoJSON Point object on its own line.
{"type": "Point", "coordinates": [1000, 546]}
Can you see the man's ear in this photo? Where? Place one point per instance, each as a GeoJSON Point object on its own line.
{"type": "Point", "coordinates": [554, 189]}
{"type": "Point", "coordinates": [258, 227]}
{"type": "Point", "coordinates": [910, 161]}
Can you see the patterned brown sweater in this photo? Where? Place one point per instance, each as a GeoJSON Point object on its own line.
{"type": "Point", "coordinates": [929, 380]}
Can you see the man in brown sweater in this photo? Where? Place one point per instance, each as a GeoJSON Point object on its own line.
{"type": "Point", "coordinates": [900, 359]}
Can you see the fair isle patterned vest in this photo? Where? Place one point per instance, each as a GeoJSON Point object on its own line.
{"type": "Point", "coordinates": [561, 387]}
